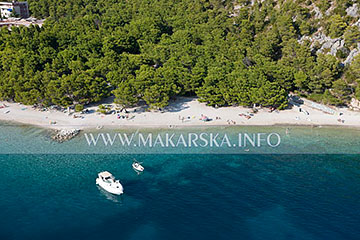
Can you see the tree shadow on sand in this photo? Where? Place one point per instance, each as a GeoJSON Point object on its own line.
{"type": "Point", "coordinates": [179, 104]}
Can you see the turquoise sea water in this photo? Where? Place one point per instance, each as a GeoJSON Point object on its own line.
{"type": "Point", "coordinates": [179, 196]}
{"type": "Point", "coordinates": [15, 139]}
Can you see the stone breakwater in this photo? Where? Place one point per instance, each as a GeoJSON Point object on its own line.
{"type": "Point", "coordinates": [65, 135]}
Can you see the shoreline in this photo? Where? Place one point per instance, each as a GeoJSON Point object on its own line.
{"type": "Point", "coordinates": [175, 127]}
{"type": "Point", "coordinates": [182, 113]}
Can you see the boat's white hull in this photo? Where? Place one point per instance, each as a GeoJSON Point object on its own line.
{"type": "Point", "coordinates": [111, 188]}
{"type": "Point", "coordinates": [138, 168]}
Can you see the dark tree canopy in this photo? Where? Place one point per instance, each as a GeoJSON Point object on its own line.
{"type": "Point", "coordinates": [153, 51]}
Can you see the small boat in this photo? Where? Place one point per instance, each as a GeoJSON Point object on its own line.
{"type": "Point", "coordinates": [108, 182]}
{"type": "Point", "coordinates": [137, 167]}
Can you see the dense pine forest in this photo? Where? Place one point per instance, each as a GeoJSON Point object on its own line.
{"type": "Point", "coordinates": [225, 52]}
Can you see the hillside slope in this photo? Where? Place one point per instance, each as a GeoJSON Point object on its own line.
{"type": "Point", "coordinates": [224, 52]}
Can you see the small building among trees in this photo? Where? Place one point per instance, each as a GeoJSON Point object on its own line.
{"type": "Point", "coordinates": [14, 9]}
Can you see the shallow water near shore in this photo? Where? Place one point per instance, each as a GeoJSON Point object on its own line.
{"type": "Point", "coordinates": [183, 195]}
{"type": "Point", "coordinates": [24, 139]}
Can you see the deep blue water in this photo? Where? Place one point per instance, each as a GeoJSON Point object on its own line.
{"type": "Point", "coordinates": [181, 197]}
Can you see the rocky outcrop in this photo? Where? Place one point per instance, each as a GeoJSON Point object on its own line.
{"type": "Point", "coordinates": [327, 44]}
{"type": "Point", "coordinates": [355, 104]}
{"type": "Point", "coordinates": [353, 10]}
{"type": "Point", "coordinates": [330, 45]}
{"type": "Point", "coordinates": [356, 23]}
{"type": "Point", "coordinates": [324, 44]}
{"type": "Point", "coordinates": [65, 135]}
{"type": "Point", "coordinates": [352, 54]}
{"type": "Point", "coordinates": [317, 12]}
{"type": "Point", "coordinates": [319, 41]}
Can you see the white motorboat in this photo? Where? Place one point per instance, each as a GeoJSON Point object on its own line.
{"type": "Point", "coordinates": [137, 167]}
{"type": "Point", "coordinates": [107, 181]}
{"type": "Point", "coordinates": [112, 197]}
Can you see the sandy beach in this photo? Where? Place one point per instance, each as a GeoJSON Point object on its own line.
{"type": "Point", "coordinates": [181, 113]}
